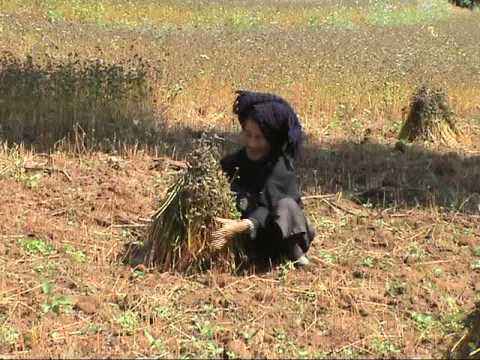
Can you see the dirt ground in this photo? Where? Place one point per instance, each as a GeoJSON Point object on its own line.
{"type": "Point", "coordinates": [386, 281]}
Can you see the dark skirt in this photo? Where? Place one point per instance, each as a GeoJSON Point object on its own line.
{"type": "Point", "coordinates": [287, 233]}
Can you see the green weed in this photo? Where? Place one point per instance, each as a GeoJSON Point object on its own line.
{"type": "Point", "coordinates": [474, 348]}
{"type": "Point", "coordinates": [36, 247]}
{"type": "Point", "coordinates": [8, 335]}
{"type": "Point", "coordinates": [205, 329]}
{"type": "Point", "coordinates": [212, 349]}
{"type": "Point", "coordinates": [93, 329]}
{"type": "Point", "coordinates": [45, 269]}
{"type": "Point", "coordinates": [304, 354]}
{"type": "Point", "coordinates": [165, 312]}
{"type": "Point", "coordinates": [368, 261]}
{"type": "Point", "coordinates": [129, 321]}
{"type": "Point", "coordinates": [392, 13]}
{"type": "Point", "coordinates": [452, 322]}
{"type": "Point", "coordinates": [155, 343]}
{"type": "Point", "coordinates": [209, 310]}
{"type": "Point", "coordinates": [57, 304]}
{"type": "Point", "coordinates": [284, 269]}
{"type": "Point", "coordinates": [327, 256]}
{"type": "Point", "coordinates": [14, 167]}
{"type": "Point", "coordinates": [438, 272]}
{"type": "Point", "coordinates": [54, 303]}
{"type": "Point", "coordinates": [242, 21]}
{"type": "Point", "coordinates": [310, 295]}
{"type": "Point", "coordinates": [248, 333]}
{"type": "Point", "coordinates": [415, 252]}
{"type": "Point", "coordinates": [46, 287]}
{"type": "Point", "coordinates": [348, 352]}
{"type": "Point", "coordinates": [281, 340]}
{"type": "Point", "coordinates": [205, 337]}
{"type": "Point", "coordinates": [341, 19]}
{"type": "Point", "coordinates": [54, 16]}
{"type": "Point", "coordinates": [383, 346]}
{"type": "Point", "coordinates": [476, 251]}
{"type": "Point", "coordinates": [321, 354]}
{"type": "Point", "coordinates": [326, 223]}
{"type": "Point", "coordinates": [396, 288]}
{"type": "Point", "coordinates": [424, 322]}
{"type": "Point", "coordinates": [138, 274]}
{"type": "Point", "coordinates": [77, 255]}
{"type": "Point", "coordinates": [32, 181]}
{"type": "Point", "coordinates": [475, 265]}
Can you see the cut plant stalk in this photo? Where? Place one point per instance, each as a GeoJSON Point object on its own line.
{"type": "Point", "coordinates": [180, 234]}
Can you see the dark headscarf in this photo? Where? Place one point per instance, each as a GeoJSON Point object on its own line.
{"type": "Point", "coordinates": [276, 118]}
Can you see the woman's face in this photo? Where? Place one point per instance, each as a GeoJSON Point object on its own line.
{"type": "Point", "coordinates": [257, 147]}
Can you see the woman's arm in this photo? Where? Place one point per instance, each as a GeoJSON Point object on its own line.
{"type": "Point", "coordinates": [258, 217]}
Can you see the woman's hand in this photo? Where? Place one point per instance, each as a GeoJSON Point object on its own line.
{"type": "Point", "coordinates": [229, 228]}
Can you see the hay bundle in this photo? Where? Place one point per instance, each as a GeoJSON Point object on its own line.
{"type": "Point", "coordinates": [178, 239]}
{"type": "Point", "coordinates": [430, 118]}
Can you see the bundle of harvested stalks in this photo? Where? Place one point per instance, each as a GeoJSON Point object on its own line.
{"type": "Point", "coordinates": [180, 234]}
{"type": "Point", "coordinates": [430, 118]}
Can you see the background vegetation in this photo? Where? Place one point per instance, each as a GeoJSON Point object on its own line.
{"type": "Point", "coordinates": [345, 66]}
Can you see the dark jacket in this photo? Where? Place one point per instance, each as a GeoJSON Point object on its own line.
{"type": "Point", "coordinates": [259, 185]}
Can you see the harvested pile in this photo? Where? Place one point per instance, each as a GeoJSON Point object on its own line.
{"type": "Point", "coordinates": [178, 239]}
{"type": "Point", "coordinates": [430, 118]}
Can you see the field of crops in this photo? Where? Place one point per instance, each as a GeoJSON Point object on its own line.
{"type": "Point", "coordinates": [96, 97]}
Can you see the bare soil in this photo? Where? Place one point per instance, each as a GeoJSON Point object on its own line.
{"type": "Point", "coordinates": [385, 281]}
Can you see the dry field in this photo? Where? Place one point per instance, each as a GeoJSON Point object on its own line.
{"type": "Point", "coordinates": [95, 97]}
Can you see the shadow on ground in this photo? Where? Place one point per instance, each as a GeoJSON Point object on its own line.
{"type": "Point", "coordinates": [371, 174]}
{"type": "Point", "coordinates": [78, 109]}
{"type": "Point", "coordinates": [374, 175]}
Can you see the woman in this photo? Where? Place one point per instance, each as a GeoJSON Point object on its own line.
{"type": "Point", "coordinates": [263, 177]}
